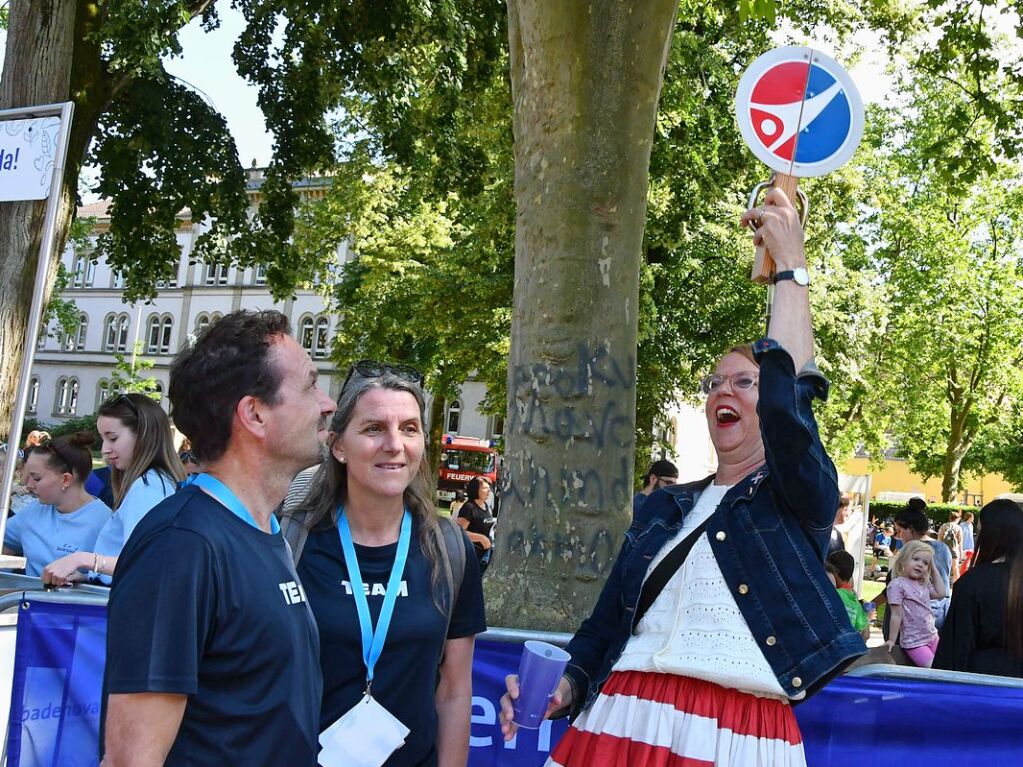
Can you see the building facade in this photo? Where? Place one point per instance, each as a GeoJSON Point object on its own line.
{"type": "Point", "coordinates": [71, 374]}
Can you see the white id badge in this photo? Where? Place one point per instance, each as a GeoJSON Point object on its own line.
{"type": "Point", "coordinates": [364, 736]}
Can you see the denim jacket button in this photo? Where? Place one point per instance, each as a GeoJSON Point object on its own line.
{"type": "Point", "coordinates": [771, 642]}
{"type": "Point", "coordinates": [743, 588]}
{"type": "Point", "coordinates": [797, 682]}
{"type": "Point", "coordinates": [721, 535]}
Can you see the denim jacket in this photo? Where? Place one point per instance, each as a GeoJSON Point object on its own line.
{"type": "Point", "coordinates": [769, 537]}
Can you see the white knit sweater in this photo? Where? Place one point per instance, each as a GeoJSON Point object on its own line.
{"type": "Point", "coordinates": [694, 627]}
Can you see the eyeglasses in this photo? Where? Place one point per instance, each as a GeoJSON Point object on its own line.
{"type": "Point", "coordinates": [739, 381]}
{"type": "Point", "coordinates": [187, 456]}
{"type": "Point", "coordinates": [374, 369]}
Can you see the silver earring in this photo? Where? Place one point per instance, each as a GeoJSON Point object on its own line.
{"type": "Point", "coordinates": [342, 459]}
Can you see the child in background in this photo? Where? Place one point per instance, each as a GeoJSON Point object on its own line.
{"type": "Point", "coordinates": [915, 584]}
{"type": "Point", "coordinates": [840, 566]}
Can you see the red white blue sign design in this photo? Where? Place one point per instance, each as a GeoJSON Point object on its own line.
{"type": "Point", "coordinates": [799, 111]}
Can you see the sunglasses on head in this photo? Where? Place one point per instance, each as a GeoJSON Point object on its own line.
{"type": "Point", "coordinates": [123, 399]}
{"type": "Point", "coordinates": [374, 369]}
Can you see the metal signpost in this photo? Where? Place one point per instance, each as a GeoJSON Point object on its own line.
{"type": "Point", "coordinates": [33, 147]}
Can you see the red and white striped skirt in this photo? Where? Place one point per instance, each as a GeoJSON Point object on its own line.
{"type": "Point", "coordinates": [646, 719]}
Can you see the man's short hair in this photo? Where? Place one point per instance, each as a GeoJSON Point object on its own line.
{"type": "Point", "coordinates": [230, 360]}
{"type": "Point", "coordinates": [843, 564]}
{"type": "Point", "coordinates": [661, 468]}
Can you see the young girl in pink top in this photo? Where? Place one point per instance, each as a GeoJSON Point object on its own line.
{"type": "Point", "coordinates": [915, 584]}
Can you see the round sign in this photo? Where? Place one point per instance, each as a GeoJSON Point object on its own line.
{"type": "Point", "coordinates": [799, 111]}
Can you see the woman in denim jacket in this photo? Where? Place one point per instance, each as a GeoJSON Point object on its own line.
{"type": "Point", "coordinates": [702, 669]}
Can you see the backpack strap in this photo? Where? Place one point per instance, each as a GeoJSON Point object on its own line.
{"type": "Point", "coordinates": [295, 532]}
{"type": "Point", "coordinates": [293, 521]}
{"type": "Point", "coordinates": [451, 543]}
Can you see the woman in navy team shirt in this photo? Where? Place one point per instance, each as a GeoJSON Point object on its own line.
{"type": "Point", "coordinates": [145, 469]}
{"type": "Point", "coordinates": [373, 473]}
{"type": "Point", "coordinates": [65, 518]}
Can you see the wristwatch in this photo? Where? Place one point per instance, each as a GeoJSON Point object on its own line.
{"type": "Point", "coordinates": [799, 276]}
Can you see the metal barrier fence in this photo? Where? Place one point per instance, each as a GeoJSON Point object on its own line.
{"type": "Point", "coordinates": [869, 711]}
{"type": "Point", "coordinates": [14, 589]}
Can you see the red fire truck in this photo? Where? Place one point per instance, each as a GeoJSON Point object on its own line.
{"type": "Point", "coordinates": [462, 459]}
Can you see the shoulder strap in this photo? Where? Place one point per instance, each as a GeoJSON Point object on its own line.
{"type": "Point", "coordinates": [295, 533]}
{"type": "Point", "coordinates": [452, 553]}
{"type": "Point", "coordinates": [666, 568]}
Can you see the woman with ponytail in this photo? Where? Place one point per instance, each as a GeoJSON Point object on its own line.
{"type": "Point", "coordinates": [144, 469]}
{"type": "Point", "coordinates": [64, 519]}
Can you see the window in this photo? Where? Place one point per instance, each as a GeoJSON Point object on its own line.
{"type": "Point", "coordinates": [496, 427]}
{"type": "Point", "coordinates": [110, 333]}
{"type": "Point", "coordinates": [259, 278]}
{"type": "Point", "coordinates": [118, 281]}
{"type": "Point", "coordinates": [41, 341]}
{"type": "Point", "coordinates": [122, 333]}
{"type": "Point", "coordinates": [215, 274]}
{"type": "Point", "coordinates": [83, 329]}
{"type": "Point", "coordinates": [67, 397]}
{"type": "Point", "coordinates": [103, 392]}
{"type": "Point", "coordinates": [72, 405]}
{"type": "Point", "coordinates": [158, 333]}
{"type": "Point", "coordinates": [320, 341]}
{"type": "Point", "coordinates": [33, 396]}
{"type": "Point", "coordinates": [153, 334]}
{"type": "Point", "coordinates": [170, 282]}
{"type": "Point", "coordinates": [115, 333]}
{"type": "Point", "coordinates": [78, 272]}
{"type": "Point", "coordinates": [166, 326]}
{"type": "Point", "coordinates": [307, 334]}
{"type": "Point", "coordinates": [454, 417]}
{"type": "Point", "coordinates": [77, 339]}
{"type": "Point", "coordinates": [201, 323]}
{"type": "Point", "coordinates": [158, 391]}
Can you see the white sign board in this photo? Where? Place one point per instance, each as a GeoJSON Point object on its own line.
{"type": "Point", "coordinates": [28, 149]}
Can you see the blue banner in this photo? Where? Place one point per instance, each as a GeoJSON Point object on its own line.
{"type": "Point", "coordinates": [58, 680]}
{"type": "Point", "coordinates": [867, 722]}
{"type": "Point", "coordinates": [493, 661]}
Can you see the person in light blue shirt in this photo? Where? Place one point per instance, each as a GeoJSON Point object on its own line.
{"type": "Point", "coordinates": [65, 519]}
{"type": "Point", "coordinates": [144, 469]}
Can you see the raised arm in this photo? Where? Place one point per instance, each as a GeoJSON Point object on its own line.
{"type": "Point", "coordinates": [782, 234]}
{"type": "Point", "coordinates": [789, 381]}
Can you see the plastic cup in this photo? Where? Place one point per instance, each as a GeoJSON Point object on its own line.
{"type": "Point", "coordinates": [540, 670]}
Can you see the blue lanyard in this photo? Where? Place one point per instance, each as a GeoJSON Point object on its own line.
{"type": "Point", "coordinates": [373, 641]}
{"type": "Point", "coordinates": [223, 493]}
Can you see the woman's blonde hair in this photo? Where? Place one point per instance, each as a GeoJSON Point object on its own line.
{"type": "Point", "coordinates": [746, 350]}
{"type": "Point", "coordinates": [906, 554]}
{"type": "Point", "coordinates": [154, 448]}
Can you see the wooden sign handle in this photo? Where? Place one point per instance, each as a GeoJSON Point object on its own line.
{"type": "Point", "coordinates": [763, 264]}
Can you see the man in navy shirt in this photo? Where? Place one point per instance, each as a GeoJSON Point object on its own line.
{"type": "Point", "coordinates": [212, 651]}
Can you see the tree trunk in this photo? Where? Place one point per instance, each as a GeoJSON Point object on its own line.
{"type": "Point", "coordinates": [436, 434]}
{"type": "Point", "coordinates": [959, 443]}
{"type": "Point", "coordinates": [586, 78]}
{"type": "Point", "coordinates": [48, 58]}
